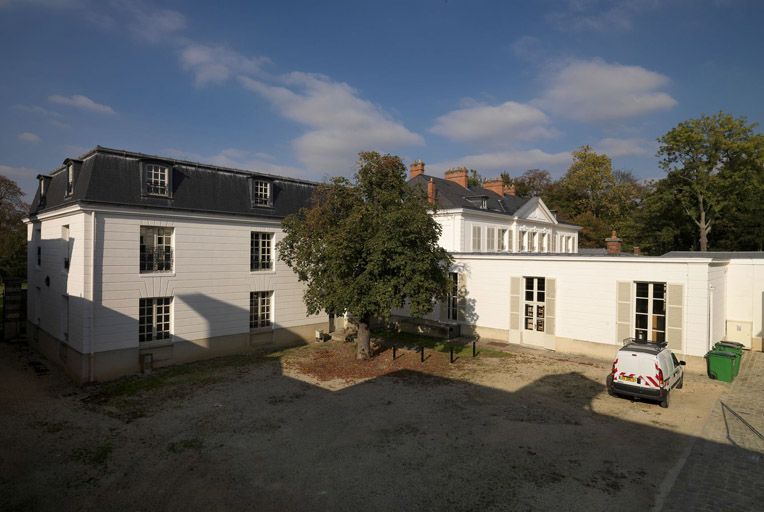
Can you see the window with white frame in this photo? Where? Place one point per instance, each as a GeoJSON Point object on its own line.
{"type": "Point", "coordinates": [154, 319]}
{"type": "Point", "coordinates": [260, 309]}
{"type": "Point", "coordinates": [502, 239]}
{"type": "Point", "coordinates": [491, 239]}
{"type": "Point", "coordinates": [452, 300]}
{"type": "Point", "coordinates": [477, 235]}
{"type": "Point", "coordinates": [510, 247]}
{"type": "Point", "coordinates": [261, 193]}
{"type": "Point", "coordinates": [69, 179]}
{"type": "Point", "coordinates": [533, 246]}
{"type": "Point", "coordinates": [156, 249]}
{"type": "Point", "coordinates": [67, 252]}
{"type": "Point", "coordinates": [157, 179]}
{"type": "Point", "coordinates": [535, 303]}
{"type": "Point", "coordinates": [523, 241]}
{"type": "Point", "coordinates": [650, 312]}
{"type": "Point", "coordinates": [261, 251]}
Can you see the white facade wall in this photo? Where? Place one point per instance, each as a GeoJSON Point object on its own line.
{"type": "Point", "coordinates": [51, 288]}
{"type": "Point", "coordinates": [210, 282]}
{"type": "Point", "coordinates": [745, 290]}
{"type": "Point", "coordinates": [457, 232]}
{"type": "Point", "coordinates": [586, 293]}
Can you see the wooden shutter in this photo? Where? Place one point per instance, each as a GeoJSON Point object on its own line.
{"type": "Point", "coordinates": [550, 306]}
{"type": "Point", "coordinates": [623, 311]}
{"type": "Point", "coordinates": [515, 289]}
{"type": "Point", "coordinates": [674, 315]}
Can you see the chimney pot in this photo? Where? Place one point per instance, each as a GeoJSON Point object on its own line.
{"type": "Point", "coordinates": [458, 175]}
{"type": "Point", "coordinates": [417, 168]}
{"type": "Point", "coordinates": [613, 244]}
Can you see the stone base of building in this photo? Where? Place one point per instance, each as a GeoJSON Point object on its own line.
{"type": "Point", "coordinates": [109, 365]}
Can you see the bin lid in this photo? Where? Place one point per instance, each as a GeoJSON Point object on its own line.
{"type": "Point", "coordinates": [720, 353]}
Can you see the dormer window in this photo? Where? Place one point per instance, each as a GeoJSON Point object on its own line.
{"type": "Point", "coordinates": [261, 193]}
{"type": "Point", "coordinates": [69, 179]}
{"type": "Point", "coordinates": [157, 179]}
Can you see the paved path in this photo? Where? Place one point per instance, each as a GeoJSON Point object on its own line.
{"type": "Point", "coordinates": [724, 470]}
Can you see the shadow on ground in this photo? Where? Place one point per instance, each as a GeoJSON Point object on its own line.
{"type": "Point", "coordinates": [263, 441]}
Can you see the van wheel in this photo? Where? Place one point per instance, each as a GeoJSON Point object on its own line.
{"type": "Point", "coordinates": [665, 401]}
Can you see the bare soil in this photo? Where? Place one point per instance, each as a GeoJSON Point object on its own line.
{"type": "Point", "coordinates": [312, 429]}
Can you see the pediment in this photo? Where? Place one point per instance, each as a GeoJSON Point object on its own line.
{"type": "Point", "coordinates": [537, 211]}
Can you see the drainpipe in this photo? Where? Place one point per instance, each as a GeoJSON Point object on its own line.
{"type": "Point", "coordinates": [710, 316]}
{"type": "Point", "coordinates": [91, 354]}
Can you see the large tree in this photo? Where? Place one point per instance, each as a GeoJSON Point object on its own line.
{"type": "Point", "coordinates": [13, 239]}
{"type": "Point", "coordinates": [712, 159]}
{"type": "Point", "coordinates": [367, 246]}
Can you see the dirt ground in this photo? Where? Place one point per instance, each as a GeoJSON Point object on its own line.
{"type": "Point", "coordinates": [313, 429]}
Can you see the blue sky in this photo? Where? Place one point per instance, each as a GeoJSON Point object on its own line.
{"type": "Point", "coordinates": [298, 88]}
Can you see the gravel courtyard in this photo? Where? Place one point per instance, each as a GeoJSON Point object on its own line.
{"type": "Point", "coordinates": [312, 429]}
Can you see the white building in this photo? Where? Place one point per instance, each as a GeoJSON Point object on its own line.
{"type": "Point", "coordinates": [137, 261]}
{"type": "Point", "coordinates": [519, 277]}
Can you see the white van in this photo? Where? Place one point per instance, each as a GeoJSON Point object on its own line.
{"type": "Point", "coordinates": [644, 369]}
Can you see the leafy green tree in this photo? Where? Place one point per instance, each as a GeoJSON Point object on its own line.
{"type": "Point", "coordinates": [367, 246]}
{"type": "Point", "coordinates": [13, 238]}
{"type": "Point", "coordinates": [475, 179]}
{"type": "Point", "coordinates": [533, 183]}
{"type": "Point", "coordinates": [710, 158]}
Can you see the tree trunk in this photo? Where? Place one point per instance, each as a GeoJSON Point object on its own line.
{"type": "Point", "coordinates": [331, 322]}
{"type": "Point", "coordinates": [362, 341]}
{"type": "Point", "coordinates": [704, 226]}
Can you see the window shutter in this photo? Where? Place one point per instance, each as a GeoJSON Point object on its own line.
{"type": "Point", "coordinates": [515, 289]}
{"type": "Point", "coordinates": [623, 311]}
{"type": "Point", "coordinates": [674, 316]}
{"type": "Point", "coordinates": [549, 306]}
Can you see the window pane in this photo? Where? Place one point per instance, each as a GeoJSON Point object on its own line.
{"type": "Point", "coordinates": [529, 295]}
{"type": "Point", "coordinates": [642, 305]}
{"type": "Point", "coordinates": [529, 283]}
{"type": "Point", "coordinates": [660, 337]}
{"type": "Point", "coordinates": [641, 321]}
{"type": "Point", "coordinates": [540, 325]}
{"type": "Point", "coordinates": [540, 311]}
{"type": "Point", "coordinates": [541, 283]}
{"type": "Point", "coordinates": [659, 290]}
{"type": "Point", "coordinates": [540, 296]}
{"type": "Point", "coordinates": [529, 310]}
{"type": "Point", "coordinates": [642, 289]}
{"type": "Point", "coordinates": [659, 322]}
{"type": "Point", "coordinates": [640, 334]}
{"type": "Point", "coordinates": [659, 307]}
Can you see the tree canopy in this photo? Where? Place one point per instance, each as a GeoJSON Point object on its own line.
{"type": "Point", "coordinates": [13, 239]}
{"type": "Point", "coordinates": [367, 246]}
{"type": "Point", "coordinates": [716, 163]}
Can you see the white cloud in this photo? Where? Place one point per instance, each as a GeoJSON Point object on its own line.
{"type": "Point", "coordinates": [634, 146]}
{"type": "Point", "coordinates": [339, 122]}
{"type": "Point", "coordinates": [598, 15]}
{"type": "Point", "coordinates": [216, 64]}
{"type": "Point", "coordinates": [489, 125]}
{"type": "Point", "coordinates": [18, 172]}
{"type": "Point", "coordinates": [515, 161]}
{"type": "Point", "coordinates": [81, 102]}
{"type": "Point", "coordinates": [596, 90]}
{"type": "Point", "coordinates": [29, 137]}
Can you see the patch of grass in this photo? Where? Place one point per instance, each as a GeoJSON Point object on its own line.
{"type": "Point", "coordinates": [185, 444]}
{"type": "Point", "coordinates": [437, 344]}
{"type": "Point", "coordinates": [98, 456]}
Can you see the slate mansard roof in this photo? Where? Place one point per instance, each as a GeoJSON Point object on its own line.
{"type": "Point", "coordinates": [108, 176]}
{"type": "Point", "coordinates": [452, 195]}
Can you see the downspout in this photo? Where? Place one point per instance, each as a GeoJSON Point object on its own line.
{"type": "Point", "coordinates": [710, 315]}
{"type": "Point", "coordinates": [91, 354]}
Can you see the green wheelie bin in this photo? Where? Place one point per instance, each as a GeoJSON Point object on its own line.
{"type": "Point", "coordinates": [720, 365]}
{"type": "Point", "coordinates": [732, 349]}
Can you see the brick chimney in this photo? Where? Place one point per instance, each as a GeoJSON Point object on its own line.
{"type": "Point", "coordinates": [417, 168]}
{"type": "Point", "coordinates": [613, 244]}
{"type": "Point", "coordinates": [458, 175]}
{"type": "Point", "coordinates": [432, 194]}
{"type": "Point", "coordinates": [495, 185]}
